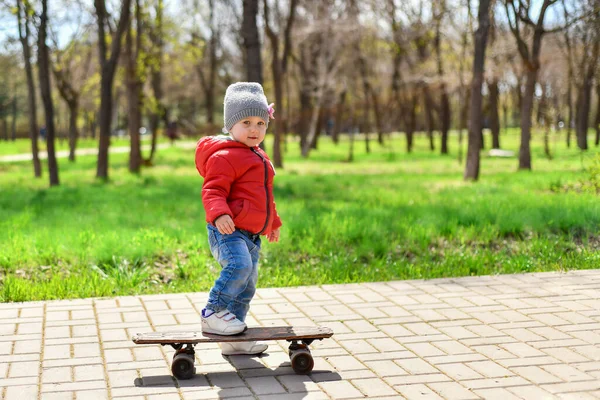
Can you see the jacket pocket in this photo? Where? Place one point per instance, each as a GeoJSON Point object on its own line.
{"type": "Point", "coordinates": [242, 215]}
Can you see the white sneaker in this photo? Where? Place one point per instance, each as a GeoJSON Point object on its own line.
{"type": "Point", "coordinates": [242, 348]}
{"type": "Point", "coordinates": [221, 323]}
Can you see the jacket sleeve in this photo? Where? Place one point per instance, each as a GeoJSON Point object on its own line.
{"type": "Point", "coordinates": [215, 190]}
{"type": "Point", "coordinates": [276, 220]}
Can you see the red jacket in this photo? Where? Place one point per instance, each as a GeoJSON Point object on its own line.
{"type": "Point", "coordinates": [238, 181]}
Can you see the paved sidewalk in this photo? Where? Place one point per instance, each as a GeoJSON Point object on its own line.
{"type": "Point", "coordinates": [531, 336]}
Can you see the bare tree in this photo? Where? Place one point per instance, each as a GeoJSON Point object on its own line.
{"type": "Point", "coordinates": [71, 96]}
{"type": "Point", "coordinates": [399, 45]}
{"type": "Point", "coordinates": [108, 65]}
{"type": "Point", "coordinates": [134, 73]}
{"type": "Point", "coordinates": [279, 62]}
{"type": "Point", "coordinates": [589, 41]}
{"type": "Point", "coordinates": [305, 59]}
{"type": "Point", "coordinates": [568, 54]}
{"type": "Point", "coordinates": [339, 113]}
{"type": "Point", "coordinates": [158, 112]}
{"type": "Point", "coordinates": [70, 75]}
{"type": "Point", "coordinates": [24, 18]}
{"type": "Point", "coordinates": [493, 90]}
{"type": "Point", "coordinates": [423, 38]}
{"type": "Point", "coordinates": [46, 90]}
{"type": "Point", "coordinates": [597, 141]}
{"type": "Point", "coordinates": [206, 67]}
{"type": "Point", "coordinates": [475, 117]}
{"type": "Point", "coordinates": [523, 25]}
{"type": "Point", "coordinates": [463, 100]}
{"type": "Point", "coordinates": [326, 45]}
{"type": "Point", "coordinates": [440, 11]}
{"type": "Point", "coordinates": [494, 115]}
{"type": "Point", "coordinates": [361, 62]}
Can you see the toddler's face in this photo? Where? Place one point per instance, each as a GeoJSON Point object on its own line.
{"type": "Point", "coordinates": [250, 131]}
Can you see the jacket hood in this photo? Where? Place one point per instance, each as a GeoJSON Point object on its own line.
{"type": "Point", "coordinates": [209, 145]}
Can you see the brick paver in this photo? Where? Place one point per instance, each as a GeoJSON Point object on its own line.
{"type": "Point", "coordinates": [529, 336]}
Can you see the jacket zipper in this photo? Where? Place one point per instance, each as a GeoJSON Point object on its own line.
{"type": "Point", "coordinates": [266, 189]}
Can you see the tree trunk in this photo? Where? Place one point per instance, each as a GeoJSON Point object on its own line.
{"type": "Point", "coordinates": [494, 115]}
{"type": "Point", "coordinates": [351, 134]}
{"type": "Point", "coordinates": [210, 93]}
{"type": "Point", "coordinates": [71, 98]}
{"type": "Point", "coordinates": [305, 113]}
{"type": "Point", "coordinates": [547, 151]}
{"type": "Point", "coordinates": [279, 68]}
{"type": "Point", "coordinates": [24, 35]}
{"type": "Point", "coordinates": [314, 143]}
{"type": "Point", "coordinates": [313, 127]}
{"type": "Point", "coordinates": [108, 65]}
{"type": "Point", "coordinates": [208, 83]}
{"type": "Point", "coordinates": [46, 90]}
{"type": "Point", "coordinates": [570, 111]}
{"type": "Point", "coordinates": [366, 117]}
{"type": "Point", "coordinates": [93, 125]}
{"type": "Point", "coordinates": [526, 113]}
{"type": "Point", "coordinates": [339, 111]}
{"type": "Point", "coordinates": [277, 84]}
{"type": "Point", "coordinates": [519, 100]}
{"type": "Point", "coordinates": [367, 139]}
{"type": "Point", "coordinates": [429, 122]}
{"type": "Point", "coordinates": [252, 42]}
{"type": "Point", "coordinates": [445, 116]}
{"type": "Point", "coordinates": [13, 128]}
{"type": "Point", "coordinates": [445, 113]}
{"type": "Point", "coordinates": [583, 112]}
{"type": "Point", "coordinates": [474, 146]}
{"type": "Point", "coordinates": [530, 55]}
{"type": "Point", "coordinates": [73, 133]}
{"type": "Point", "coordinates": [505, 116]}
{"type": "Point", "coordinates": [597, 141]}
{"type": "Point", "coordinates": [584, 99]}
{"type": "Point", "coordinates": [378, 117]}
{"type": "Point", "coordinates": [104, 125]}
{"type": "Point", "coordinates": [463, 94]}
{"type": "Point", "coordinates": [134, 91]}
{"type": "Point", "coordinates": [156, 35]}
{"type": "Point", "coordinates": [542, 104]}
{"type": "Point", "coordinates": [464, 119]}
{"type": "Point", "coordinates": [157, 115]}
{"type": "Point", "coordinates": [411, 122]}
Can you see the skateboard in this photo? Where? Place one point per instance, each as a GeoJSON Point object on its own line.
{"type": "Point", "coordinates": [183, 343]}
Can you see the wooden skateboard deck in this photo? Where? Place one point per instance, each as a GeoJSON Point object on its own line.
{"type": "Point", "coordinates": [183, 360]}
{"type": "Point", "coordinates": [251, 334]}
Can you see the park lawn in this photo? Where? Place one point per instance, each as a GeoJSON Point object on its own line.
{"type": "Point", "coordinates": [23, 146]}
{"type": "Point", "coordinates": [387, 215]}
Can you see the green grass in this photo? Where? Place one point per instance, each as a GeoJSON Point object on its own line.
{"type": "Point", "coordinates": [388, 215]}
{"type": "Point", "coordinates": [62, 144]}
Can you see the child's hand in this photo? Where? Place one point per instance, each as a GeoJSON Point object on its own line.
{"type": "Point", "coordinates": [225, 225]}
{"type": "Point", "coordinates": [274, 235]}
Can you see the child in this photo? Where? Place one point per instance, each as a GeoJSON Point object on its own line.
{"type": "Point", "coordinates": [237, 195]}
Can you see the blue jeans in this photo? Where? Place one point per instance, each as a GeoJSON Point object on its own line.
{"type": "Point", "coordinates": [235, 287]}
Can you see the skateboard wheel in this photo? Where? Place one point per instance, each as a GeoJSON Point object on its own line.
{"type": "Point", "coordinates": [302, 361]}
{"type": "Point", "coordinates": [183, 366]}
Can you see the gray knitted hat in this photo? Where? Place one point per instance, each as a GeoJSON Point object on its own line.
{"type": "Point", "coordinates": [243, 100]}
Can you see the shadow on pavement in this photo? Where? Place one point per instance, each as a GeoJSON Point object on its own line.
{"type": "Point", "coordinates": [238, 382]}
